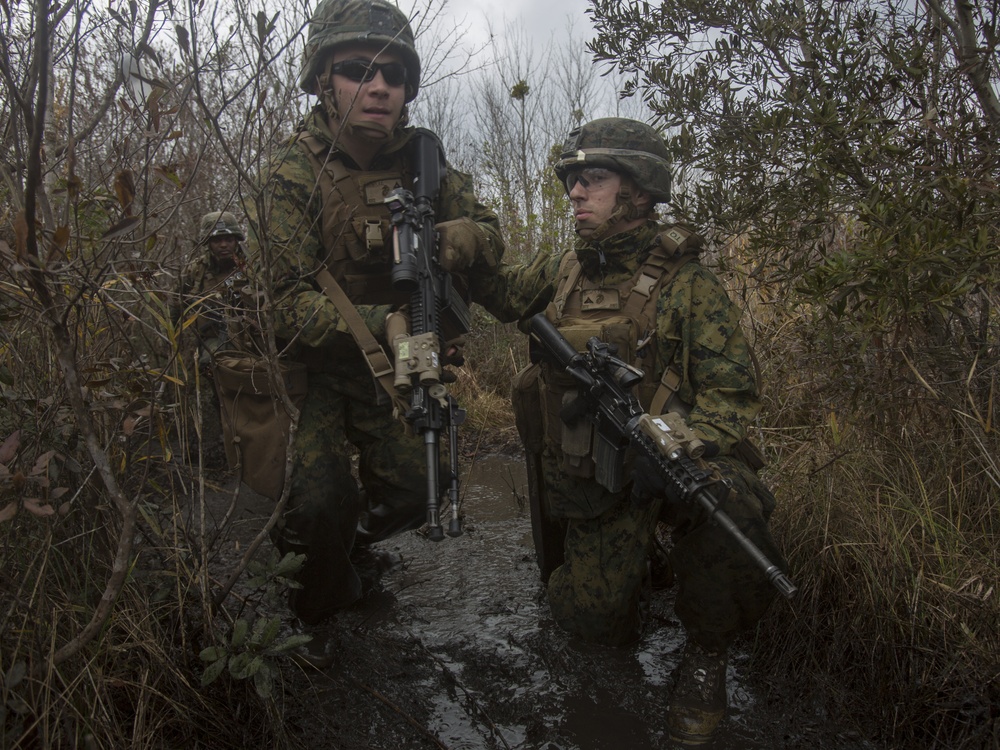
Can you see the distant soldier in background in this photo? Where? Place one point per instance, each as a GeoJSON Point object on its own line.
{"type": "Point", "coordinates": [207, 296]}
{"type": "Point", "coordinates": [210, 285]}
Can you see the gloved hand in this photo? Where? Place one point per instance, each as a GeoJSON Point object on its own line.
{"type": "Point", "coordinates": [452, 355]}
{"type": "Point", "coordinates": [647, 483]}
{"type": "Point", "coordinates": [461, 242]}
{"type": "Point", "coordinates": [453, 351]}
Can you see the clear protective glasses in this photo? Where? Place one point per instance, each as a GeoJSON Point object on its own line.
{"type": "Point", "coordinates": [362, 71]}
{"type": "Point", "coordinates": [592, 178]}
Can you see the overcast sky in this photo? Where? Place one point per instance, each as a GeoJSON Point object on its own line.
{"type": "Point", "coordinates": [540, 18]}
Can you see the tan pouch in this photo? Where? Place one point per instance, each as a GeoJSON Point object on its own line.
{"type": "Point", "coordinates": [527, 403]}
{"type": "Point", "coordinates": [255, 424]}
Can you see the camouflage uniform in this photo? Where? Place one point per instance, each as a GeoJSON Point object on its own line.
{"type": "Point", "coordinates": [209, 290]}
{"type": "Point", "coordinates": [343, 407]}
{"type": "Point", "coordinates": [595, 592]}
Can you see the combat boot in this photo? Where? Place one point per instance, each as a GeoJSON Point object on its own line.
{"type": "Point", "coordinates": [383, 521]}
{"type": "Point", "coordinates": [698, 699]}
{"type": "Point", "coordinates": [319, 652]}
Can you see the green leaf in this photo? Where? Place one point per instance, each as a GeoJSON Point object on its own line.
{"type": "Point", "coordinates": [263, 681]}
{"type": "Point", "coordinates": [265, 631]}
{"type": "Point", "coordinates": [212, 671]}
{"type": "Point", "coordinates": [239, 666]}
{"type": "Point", "coordinates": [240, 629]}
{"type": "Point", "coordinates": [292, 642]}
{"type": "Point", "coordinates": [213, 653]}
{"type": "Point", "coordinates": [290, 564]}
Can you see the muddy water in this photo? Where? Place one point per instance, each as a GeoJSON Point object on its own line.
{"type": "Point", "coordinates": [459, 651]}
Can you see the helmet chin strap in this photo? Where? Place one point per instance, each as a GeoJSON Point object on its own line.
{"type": "Point", "coordinates": [374, 133]}
{"type": "Point", "coordinates": [625, 210]}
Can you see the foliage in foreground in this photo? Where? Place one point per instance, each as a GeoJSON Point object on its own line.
{"type": "Point", "coordinates": [892, 528]}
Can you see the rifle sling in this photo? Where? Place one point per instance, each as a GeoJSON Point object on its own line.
{"type": "Point", "coordinates": [378, 362]}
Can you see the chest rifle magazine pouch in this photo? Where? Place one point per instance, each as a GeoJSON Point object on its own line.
{"type": "Point", "coordinates": [577, 442]}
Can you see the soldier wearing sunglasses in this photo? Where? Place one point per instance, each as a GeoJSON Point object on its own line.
{"type": "Point", "coordinates": [324, 195]}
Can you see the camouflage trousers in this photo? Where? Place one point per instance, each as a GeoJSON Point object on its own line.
{"type": "Point", "coordinates": [325, 502]}
{"type": "Point", "coordinates": [595, 593]}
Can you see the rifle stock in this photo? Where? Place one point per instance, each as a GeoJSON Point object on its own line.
{"type": "Point", "coordinates": [607, 399]}
{"type": "Point", "coordinates": [434, 305]}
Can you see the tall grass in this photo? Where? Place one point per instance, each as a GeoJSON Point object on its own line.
{"type": "Point", "coordinates": [890, 517]}
{"type": "Point", "coordinates": [68, 549]}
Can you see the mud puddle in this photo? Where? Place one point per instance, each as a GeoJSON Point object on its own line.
{"type": "Point", "coordinates": [459, 651]}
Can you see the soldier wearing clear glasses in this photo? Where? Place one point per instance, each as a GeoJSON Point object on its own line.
{"type": "Point", "coordinates": [636, 283]}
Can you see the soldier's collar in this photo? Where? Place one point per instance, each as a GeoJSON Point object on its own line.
{"type": "Point", "coordinates": [316, 124]}
{"type": "Point", "coordinates": [607, 255]}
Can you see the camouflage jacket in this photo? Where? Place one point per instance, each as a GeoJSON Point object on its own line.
{"type": "Point", "coordinates": [303, 315]}
{"type": "Point", "coordinates": [206, 298]}
{"type": "Point", "coordinates": [697, 328]}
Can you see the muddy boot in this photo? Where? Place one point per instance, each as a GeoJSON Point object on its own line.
{"type": "Point", "coordinates": [319, 651]}
{"type": "Point", "coordinates": [382, 522]}
{"type": "Point", "coordinates": [698, 699]}
{"type": "Point", "coordinates": [372, 564]}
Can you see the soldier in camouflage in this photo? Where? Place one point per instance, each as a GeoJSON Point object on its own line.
{"type": "Point", "coordinates": [208, 293]}
{"type": "Point", "coordinates": [324, 194]}
{"type": "Point", "coordinates": [637, 284]}
{"type": "Point", "coordinates": [210, 285]}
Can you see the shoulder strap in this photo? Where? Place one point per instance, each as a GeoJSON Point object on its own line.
{"type": "Point", "coordinates": [674, 248]}
{"type": "Point", "coordinates": [378, 362]}
{"type": "Point", "coordinates": [568, 276]}
{"type": "Point", "coordinates": [330, 172]}
{"type": "Point", "coordinates": [664, 398]}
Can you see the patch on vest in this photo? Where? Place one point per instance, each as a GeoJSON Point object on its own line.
{"type": "Point", "coordinates": [599, 299]}
{"type": "Point", "coordinates": [377, 190]}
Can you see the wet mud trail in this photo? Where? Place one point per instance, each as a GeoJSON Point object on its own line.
{"type": "Point", "coordinates": [459, 651]}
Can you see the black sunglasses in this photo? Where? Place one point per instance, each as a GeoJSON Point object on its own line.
{"type": "Point", "coordinates": [360, 71]}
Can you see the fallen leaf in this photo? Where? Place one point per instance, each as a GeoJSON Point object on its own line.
{"type": "Point", "coordinates": [124, 226]}
{"type": "Point", "coordinates": [35, 506]}
{"type": "Point", "coordinates": [8, 448]}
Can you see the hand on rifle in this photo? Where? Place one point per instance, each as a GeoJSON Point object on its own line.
{"type": "Point", "coordinates": [647, 483]}
{"type": "Point", "coordinates": [452, 355]}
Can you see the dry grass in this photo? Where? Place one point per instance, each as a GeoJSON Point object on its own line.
{"type": "Point", "coordinates": [137, 684]}
{"type": "Point", "coordinates": [892, 526]}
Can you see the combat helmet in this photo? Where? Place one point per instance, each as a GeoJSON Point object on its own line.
{"type": "Point", "coordinates": [338, 22]}
{"type": "Point", "coordinates": [219, 224]}
{"type": "Point", "coordinates": [621, 145]}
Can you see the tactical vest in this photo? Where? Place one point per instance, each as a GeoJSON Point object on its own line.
{"type": "Point", "coordinates": [356, 227]}
{"type": "Point", "coordinates": [623, 315]}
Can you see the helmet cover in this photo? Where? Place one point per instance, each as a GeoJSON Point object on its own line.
{"type": "Point", "coordinates": [621, 145]}
{"type": "Point", "coordinates": [220, 224]}
{"type": "Point", "coordinates": [376, 22]}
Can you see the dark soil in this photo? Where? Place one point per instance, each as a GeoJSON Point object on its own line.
{"type": "Point", "coordinates": [457, 650]}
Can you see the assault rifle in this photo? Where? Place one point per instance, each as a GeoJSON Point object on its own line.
{"type": "Point", "coordinates": [435, 308]}
{"type": "Point", "coordinates": [606, 398]}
